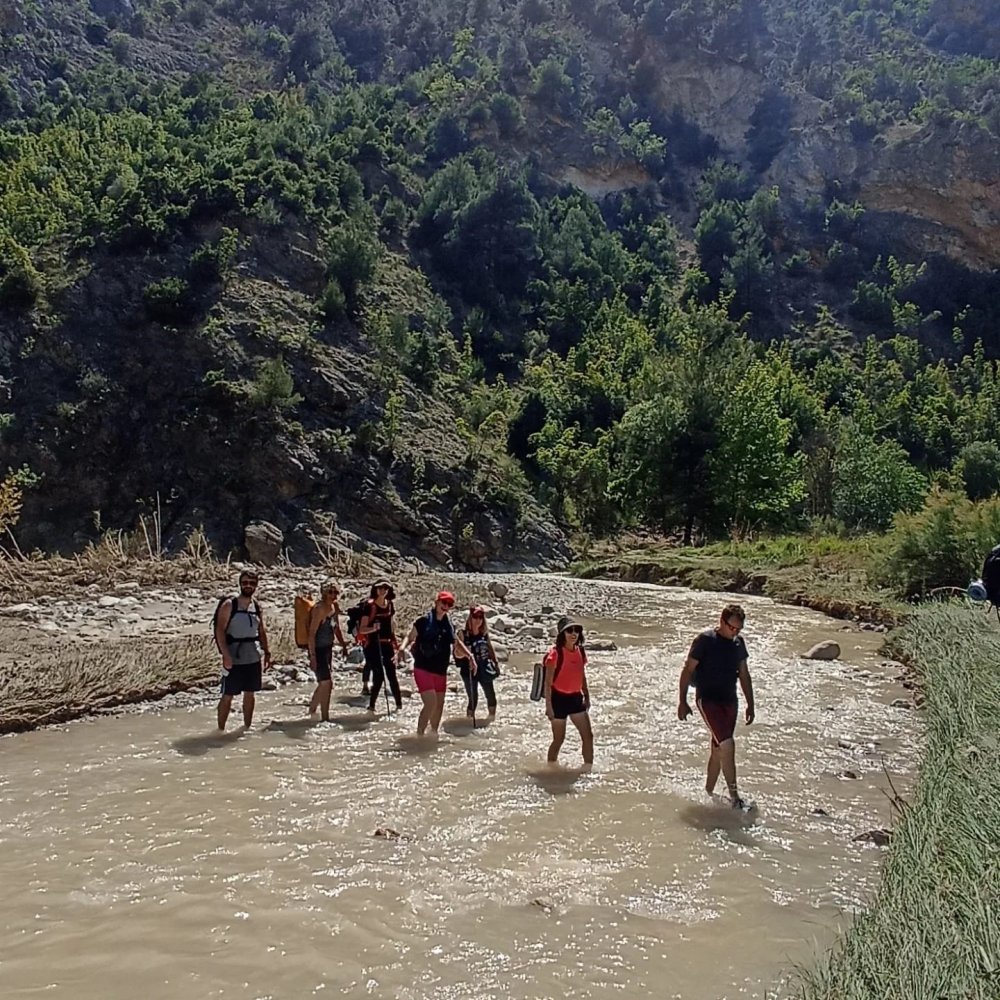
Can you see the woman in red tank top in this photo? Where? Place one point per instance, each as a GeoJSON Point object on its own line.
{"type": "Point", "coordinates": [566, 693]}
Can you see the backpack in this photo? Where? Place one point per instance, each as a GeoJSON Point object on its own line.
{"type": "Point", "coordinates": [354, 615]}
{"type": "Point", "coordinates": [235, 602]}
{"type": "Point", "coordinates": [303, 610]}
{"type": "Point", "coordinates": [538, 674]}
{"type": "Point", "coordinates": [991, 576]}
{"type": "Point", "coordinates": [433, 637]}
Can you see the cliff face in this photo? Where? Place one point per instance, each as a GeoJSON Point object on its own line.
{"type": "Point", "coordinates": [936, 187]}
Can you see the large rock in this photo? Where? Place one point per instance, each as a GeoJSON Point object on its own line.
{"type": "Point", "coordinates": [828, 650]}
{"type": "Point", "coordinates": [497, 589]}
{"type": "Point", "coordinates": [263, 542]}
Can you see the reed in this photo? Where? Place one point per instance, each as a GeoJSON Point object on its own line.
{"type": "Point", "coordinates": [932, 931]}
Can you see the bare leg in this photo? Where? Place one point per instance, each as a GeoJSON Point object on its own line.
{"type": "Point", "coordinates": [558, 735]}
{"type": "Point", "coordinates": [225, 704]}
{"type": "Point", "coordinates": [248, 705]}
{"type": "Point", "coordinates": [314, 700]}
{"type": "Point", "coordinates": [714, 764]}
{"type": "Point", "coordinates": [438, 710]}
{"type": "Point", "coordinates": [727, 756]}
{"type": "Point", "coordinates": [323, 692]}
{"type": "Point", "coordinates": [429, 699]}
{"type": "Point", "coordinates": [582, 722]}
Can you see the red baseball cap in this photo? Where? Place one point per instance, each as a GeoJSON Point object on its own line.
{"type": "Point", "coordinates": [446, 597]}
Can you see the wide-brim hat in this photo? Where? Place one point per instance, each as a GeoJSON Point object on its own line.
{"type": "Point", "coordinates": [383, 583]}
{"type": "Point", "coordinates": [566, 623]}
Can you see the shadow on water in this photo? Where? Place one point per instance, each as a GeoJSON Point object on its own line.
{"type": "Point", "coordinates": [710, 817]}
{"type": "Point", "coordinates": [195, 746]}
{"type": "Point", "coordinates": [354, 722]}
{"type": "Point", "coordinates": [294, 729]}
{"type": "Point", "coordinates": [416, 745]}
{"type": "Point", "coordinates": [462, 725]}
{"type": "Point", "coordinates": [354, 700]}
{"type": "Point", "coordinates": [558, 780]}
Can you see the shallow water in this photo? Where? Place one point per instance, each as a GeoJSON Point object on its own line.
{"type": "Point", "coordinates": [142, 856]}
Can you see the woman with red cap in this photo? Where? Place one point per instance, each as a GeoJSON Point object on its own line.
{"type": "Point", "coordinates": [476, 637]}
{"type": "Point", "coordinates": [433, 642]}
{"type": "Point", "coordinates": [566, 693]}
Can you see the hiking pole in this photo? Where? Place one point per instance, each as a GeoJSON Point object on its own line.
{"type": "Point", "coordinates": [385, 677]}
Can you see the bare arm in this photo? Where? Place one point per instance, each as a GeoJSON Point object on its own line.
{"type": "Point", "coordinates": [221, 624]}
{"type": "Point", "coordinates": [687, 675]}
{"type": "Point", "coordinates": [411, 638]}
{"type": "Point", "coordinates": [264, 643]}
{"type": "Point", "coordinates": [461, 652]}
{"type": "Point", "coordinates": [747, 685]}
{"type": "Point", "coordinates": [550, 675]}
{"type": "Point", "coordinates": [315, 620]}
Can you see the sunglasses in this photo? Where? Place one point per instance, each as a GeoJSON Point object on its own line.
{"type": "Point", "coordinates": [382, 586]}
{"type": "Point", "coordinates": [478, 614]}
{"type": "Point", "coordinates": [576, 630]}
{"type": "Point", "coordinates": [736, 626]}
{"type": "Point", "coordinates": [447, 604]}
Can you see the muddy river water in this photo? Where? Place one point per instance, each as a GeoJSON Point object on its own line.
{"type": "Point", "coordinates": [141, 856]}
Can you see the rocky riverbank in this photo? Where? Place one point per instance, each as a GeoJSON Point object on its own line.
{"type": "Point", "coordinates": [74, 648]}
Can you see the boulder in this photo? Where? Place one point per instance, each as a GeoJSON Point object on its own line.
{"type": "Point", "coordinates": [827, 650]}
{"type": "Point", "coordinates": [880, 837]}
{"type": "Point", "coordinates": [263, 542]}
{"type": "Point", "coordinates": [498, 590]}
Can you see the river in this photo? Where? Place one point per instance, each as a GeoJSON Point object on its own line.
{"type": "Point", "coordinates": [142, 856]}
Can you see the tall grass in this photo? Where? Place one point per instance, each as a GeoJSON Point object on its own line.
{"type": "Point", "coordinates": [933, 929]}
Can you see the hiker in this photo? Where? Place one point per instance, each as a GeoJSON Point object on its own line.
{"type": "Point", "coordinates": [380, 644]}
{"type": "Point", "coordinates": [566, 693]}
{"type": "Point", "coordinates": [241, 636]}
{"type": "Point", "coordinates": [718, 657]}
{"type": "Point", "coordinates": [324, 629]}
{"type": "Point", "coordinates": [476, 637]}
{"type": "Point", "coordinates": [433, 641]}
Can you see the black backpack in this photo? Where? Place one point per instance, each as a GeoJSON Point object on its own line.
{"type": "Point", "coordinates": [235, 602]}
{"type": "Point", "coordinates": [433, 636]}
{"type": "Point", "coordinates": [354, 615]}
{"type": "Point", "coordinates": [991, 576]}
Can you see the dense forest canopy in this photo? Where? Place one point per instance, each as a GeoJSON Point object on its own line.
{"type": "Point", "coordinates": [674, 264]}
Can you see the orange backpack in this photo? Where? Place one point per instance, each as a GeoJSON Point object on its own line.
{"type": "Point", "coordinates": [304, 604]}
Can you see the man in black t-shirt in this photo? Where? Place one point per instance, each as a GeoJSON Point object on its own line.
{"type": "Point", "coordinates": [718, 658]}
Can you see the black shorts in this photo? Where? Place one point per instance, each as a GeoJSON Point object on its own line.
{"type": "Point", "coordinates": [565, 705]}
{"type": "Point", "coordinates": [243, 677]}
{"type": "Point", "coordinates": [324, 661]}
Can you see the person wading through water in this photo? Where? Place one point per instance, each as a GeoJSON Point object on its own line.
{"type": "Point", "coordinates": [324, 629]}
{"type": "Point", "coordinates": [432, 641]}
{"type": "Point", "coordinates": [717, 659]}
{"type": "Point", "coordinates": [380, 643]}
{"type": "Point", "coordinates": [476, 637]}
{"type": "Point", "coordinates": [241, 636]}
{"type": "Point", "coordinates": [566, 693]}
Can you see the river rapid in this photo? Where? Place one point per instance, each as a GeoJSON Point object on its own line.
{"type": "Point", "coordinates": [143, 856]}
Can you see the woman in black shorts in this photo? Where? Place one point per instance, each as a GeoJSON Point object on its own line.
{"type": "Point", "coordinates": [324, 628]}
{"type": "Point", "coordinates": [566, 692]}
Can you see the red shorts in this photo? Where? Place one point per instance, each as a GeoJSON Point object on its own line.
{"type": "Point", "coordinates": [427, 681]}
{"type": "Point", "coordinates": [720, 717]}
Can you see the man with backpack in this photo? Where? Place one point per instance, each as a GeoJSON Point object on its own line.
{"type": "Point", "coordinates": [242, 639]}
{"type": "Point", "coordinates": [433, 641]}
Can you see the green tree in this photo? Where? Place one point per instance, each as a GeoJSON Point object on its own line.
{"type": "Point", "coordinates": [755, 481]}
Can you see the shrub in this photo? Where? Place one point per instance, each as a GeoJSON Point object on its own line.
{"type": "Point", "coordinates": [170, 301]}
{"type": "Point", "coordinates": [942, 545]}
{"type": "Point", "coordinates": [20, 287]}
{"type": "Point", "coordinates": [979, 465]}
{"type": "Point", "coordinates": [873, 480]}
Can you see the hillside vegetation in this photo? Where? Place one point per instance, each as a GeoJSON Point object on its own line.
{"type": "Point", "coordinates": [455, 279]}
